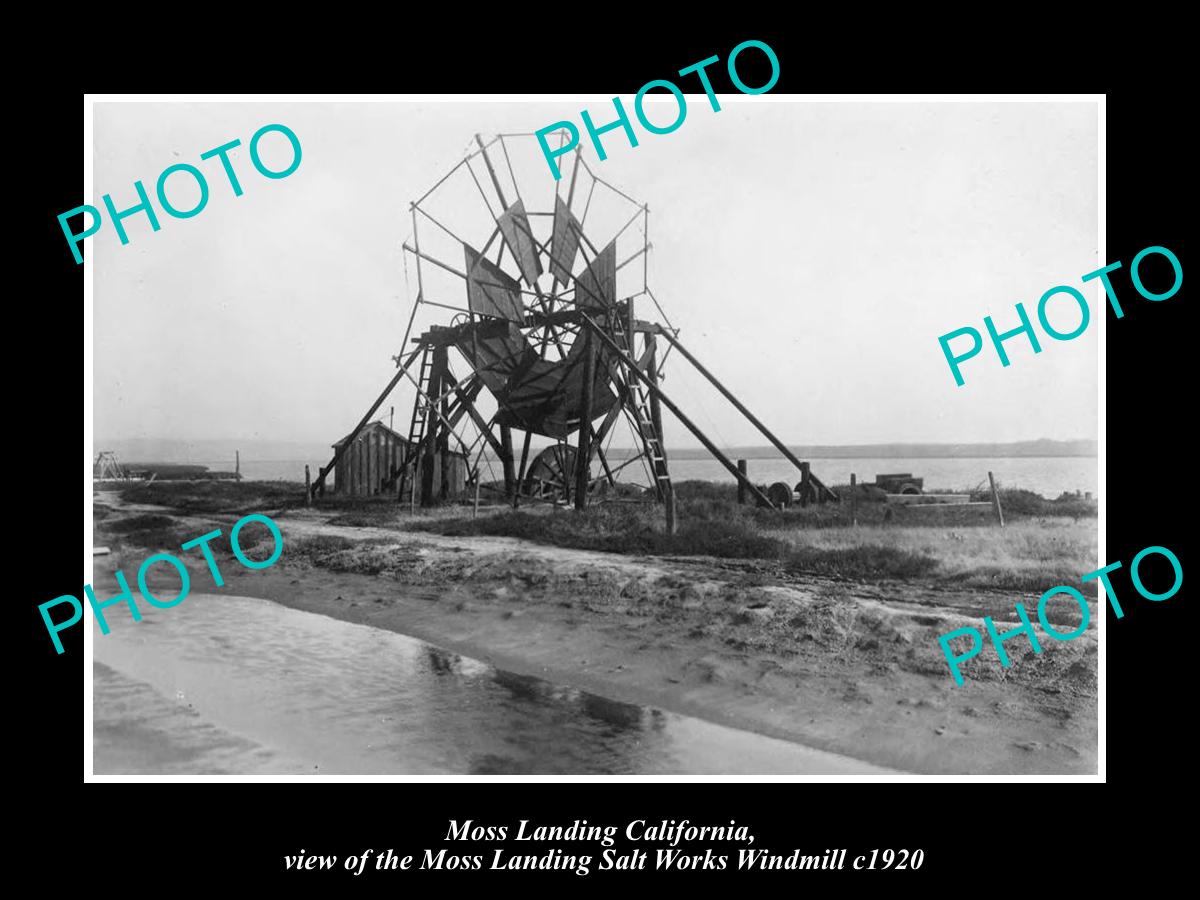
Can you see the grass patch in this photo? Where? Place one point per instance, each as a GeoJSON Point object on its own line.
{"type": "Point", "coordinates": [236, 497]}
{"type": "Point", "coordinates": [863, 561]}
{"type": "Point", "coordinates": [140, 523]}
{"type": "Point", "coordinates": [339, 554]}
{"type": "Point", "coordinates": [614, 529]}
{"type": "Point", "coordinates": [321, 549]}
{"type": "Point", "coordinates": [154, 531]}
{"type": "Point", "coordinates": [368, 517]}
{"type": "Point", "coordinates": [1032, 553]}
{"type": "Point", "coordinates": [1018, 503]}
{"type": "Point", "coordinates": [151, 532]}
{"type": "Point", "coordinates": [1019, 580]}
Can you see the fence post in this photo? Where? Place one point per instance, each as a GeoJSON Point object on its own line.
{"type": "Point", "coordinates": [996, 500]}
{"type": "Point", "coordinates": [853, 499]}
{"type": "Point", "coordinates": [307, 487]}
{"type": "Point", "coordinates": [744, 469]}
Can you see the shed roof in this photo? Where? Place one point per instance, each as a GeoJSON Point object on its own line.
{"type": "Point", "coordinates": [375, 425]}
{"type": "Point", "coordinates": [379, 426]}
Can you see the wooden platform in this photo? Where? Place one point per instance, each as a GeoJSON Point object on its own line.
{"type": "Point", "coordinates": [933, 500]}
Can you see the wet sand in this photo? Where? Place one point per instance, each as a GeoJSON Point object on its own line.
{"type": "Point", "coordinates": [852, 669]}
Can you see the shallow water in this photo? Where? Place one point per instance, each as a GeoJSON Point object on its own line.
{"type": "Point", "coordinates": [320, 694]}
{"type": "Point", "coordinates": [1045, 475]}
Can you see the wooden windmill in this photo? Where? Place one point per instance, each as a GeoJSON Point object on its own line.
{"type": "Point", "coordinates": [541, 313]}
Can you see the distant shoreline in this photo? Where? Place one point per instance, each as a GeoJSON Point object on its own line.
{"type": "Point", "coordinates": [222, 452]}
{"type": "Point", "coordinates": [689, 453]}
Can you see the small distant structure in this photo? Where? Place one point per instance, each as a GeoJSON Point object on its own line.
{"type": "Point", "coordinates": [108, 468]}
{"type": "Point", "coordinates": [901, 483]}
{"type": "Point", "coordinates": [904, 489]}
{"type": "Point", "coordinates": [372, 462]}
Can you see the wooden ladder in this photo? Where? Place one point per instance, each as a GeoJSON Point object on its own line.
{"type": "Point", "coordinates": [407, 469]}
{"type": "Point", "coordinates": [638, 400]}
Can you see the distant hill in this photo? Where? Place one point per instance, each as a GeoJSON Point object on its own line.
{"type": "Point", "coordinates": [902, 451]}
{"type": "Point", "coordinates": [214, 451]}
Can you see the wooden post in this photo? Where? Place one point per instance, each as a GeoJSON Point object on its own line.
{"type": "Point", "coordinates": [805, 483]}
{"type": "Point", "coordinates": [996, 500]}
{"type": "Point", "coordinates": [516, 500]}
{"type": "Point", "coordinates": [583, 456]}
{"type": "Point", "coordinates": [780, 445]}
{"type": "Point", "coordinates": [237, 464]}
{"type": "Point", "coordinates": [657, 393]}
{"type": "Point", "coordinates": [853, 499]}
{"type": "Point", "coordinates": [475, 511]}
{"type": "Point", "coordinates": [307, 487]}
{"type": "Point", "coordinates": [506, 457]}
{"type": "Point", "coordinates": [321, 483]}
{"type": "Point", "coordinates": [745, 470]}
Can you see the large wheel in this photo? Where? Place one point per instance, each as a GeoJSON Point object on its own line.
{"type": "Point", "coordinates": [780, 494]}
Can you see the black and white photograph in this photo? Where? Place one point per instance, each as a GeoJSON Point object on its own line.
{"type": "Point", "coordinates": [699, 435]}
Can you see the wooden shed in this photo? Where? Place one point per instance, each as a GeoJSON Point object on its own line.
{"type": "Point", "coordinates": [371, 465]}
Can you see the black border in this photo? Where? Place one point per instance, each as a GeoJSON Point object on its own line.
{"type": "Point", "coordinates": [965, 829]}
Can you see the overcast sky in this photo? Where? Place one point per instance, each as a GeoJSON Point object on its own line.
{"type": "Point", "coordinates": [811, 253]}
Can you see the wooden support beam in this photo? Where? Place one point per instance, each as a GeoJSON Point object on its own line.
{"type": "Point", "coordinates": [996, 500]}
{"type": "Point", "coordinates": [403, 368]}
{"type": "Point", "coordinates": [495, 181]}
{"type": "Point", "coordinates": [667, 489]}
{"type": "Point", "coordinates": [467, 401]}
{"type": "Point", "coordinates": [583, 458]}
{"type": "Point", "coordinates": [599, 451]}
{"type": "Point", "coordinates": [655, 390]}
{"type": "Point", "coordinates": [506, 457]}
{"type": "Point", "coordinates": [521, 472]}
{"type": "Point", "coordinates": [615, 410]}
{"type": "Point", "coordinates": [766, 432]}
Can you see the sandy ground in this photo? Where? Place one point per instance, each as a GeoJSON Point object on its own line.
{"type": "Point", "coordinates": [850, 668]}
